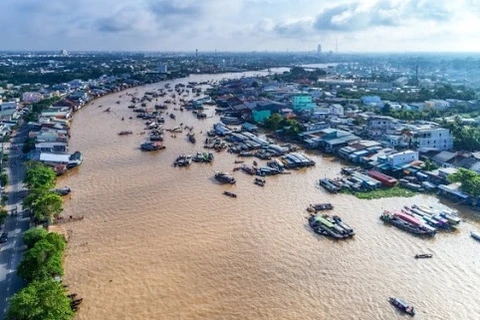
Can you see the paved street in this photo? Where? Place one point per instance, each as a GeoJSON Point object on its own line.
{"type": "Point", "coordinates": [11, 251]}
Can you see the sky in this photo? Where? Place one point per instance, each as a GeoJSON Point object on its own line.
{"type": "Point", "coordinates": [241, 25]}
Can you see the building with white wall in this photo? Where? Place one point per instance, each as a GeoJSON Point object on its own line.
{"type": "Point", "coordinates": [402, 158]}
{"type": "Point", "coordinates": [432, 139]}
{"type": "Point", "coordinates": [336, 109]}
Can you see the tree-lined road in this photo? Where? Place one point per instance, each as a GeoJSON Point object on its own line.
{"type": "Point", "coordinates": [11, 252]}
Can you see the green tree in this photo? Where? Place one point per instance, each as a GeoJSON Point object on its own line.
{"type": "Point", "coordinates": [43, 261]}
{"type": "Point", "coordinates": [386, 109]}
{"type": "Point", "coordinates": [3, 179]}
{"type": "Point", "coordinates": [39, 176]}
{"type": "Point", "coordinates": [32, 236]}
{"type": "Point", "coordinates": [3, 216]}
{"type": "Point", "coordinates": [28, 145]}
{"type": "Point", "coordinates": [429, 165]}
{"type": "Point", "coordinates": [40, 300]}
{"type": "Point", "coordinates": [273, 122]}
{"type": "Point", "coordinates": [469, 179]}
{"type": "Point", "coordinates": [44, 204]}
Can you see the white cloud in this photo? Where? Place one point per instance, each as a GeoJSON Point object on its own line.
{"type": "Point", "coordinates": [369, 25]}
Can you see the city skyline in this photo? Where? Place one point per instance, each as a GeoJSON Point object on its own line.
{"type": "Point", "coordinates": [241, 25]}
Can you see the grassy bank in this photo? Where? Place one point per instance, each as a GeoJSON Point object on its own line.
{"type": "Point", "coordinates": [382, 193]}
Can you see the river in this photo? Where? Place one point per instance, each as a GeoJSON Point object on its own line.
{"type": "Point", "coordinates": [160, 242]}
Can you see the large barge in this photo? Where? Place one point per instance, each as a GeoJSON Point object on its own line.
{"type": "Point", "coordinates": [333, 227]}
{"type": "Point", "coordinates": [407, 223]}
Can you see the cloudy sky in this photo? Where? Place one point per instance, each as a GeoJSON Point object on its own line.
{"type": "Point", "coordinates": [241, 25]}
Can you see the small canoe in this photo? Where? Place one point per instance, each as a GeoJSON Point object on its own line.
{"type": "Point", "coordinates": [423, 255]}
{"type": "Point", "coordinates": [230, 194]}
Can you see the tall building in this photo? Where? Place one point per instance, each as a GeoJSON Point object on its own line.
{"type": "Point", "coordinates": [319, 48]}
{"type": "Point", "coordinates": [163, 68]}
{"type": "Point", "coordinates": [64, 52]}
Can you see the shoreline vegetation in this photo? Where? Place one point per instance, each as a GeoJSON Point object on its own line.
{"type": "Point", "coordinates": [44, 297]}
{"type": "Point", "coordinates": [383, 192]}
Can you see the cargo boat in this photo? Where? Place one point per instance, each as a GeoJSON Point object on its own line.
{"type": "Point", "coordinates": [386, 180]}
{"type": "Point", "coordinates": [151, 146]}
{"type": "Point", "coordinates": [417, 229]}
{"type": "Point", "coordinates": [326, 225]}
{"type": "Point", "coordinates": [259, 182]}
{"type": "Point", "coordinates": [224, 177]}
{"type": "Point", "coordinates": [320, 207]}
{"type": "Point", "coordinates": [475, 235]}
{"type": "Point", "coordinates": [401, 305]}
{"type": "Point", "coordinates": [329, 185]}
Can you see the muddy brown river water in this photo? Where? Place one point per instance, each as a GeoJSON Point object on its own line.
{"type": "Point", "coordinates": [160, 242]}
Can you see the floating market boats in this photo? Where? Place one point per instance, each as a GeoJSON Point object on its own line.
{"type": "Point", "coordinates": [206, 157]}
{"type": "Point", "coordinates": [230, 194]}
{"type": "Point", "coordinates": [407, 223]}
{"type": "Point", "coordinates": [320, 207]}
{"type": "Point", "coordinates": [475, 235]}
{"type": "Point", "coordinates": [125, 132]}
{"type": "Point", "coordinates": [152, 146]}
{"type": "Point", "coordinates": [224, 177]}
{"type": "Point", "coordinates": [330, 226]}
{"type": "Point", "coordinates": [434, 220]}
{"type": "Point", "coordinates": [423, 255]}
{"type": "Point", "coordinates": [403, 306]}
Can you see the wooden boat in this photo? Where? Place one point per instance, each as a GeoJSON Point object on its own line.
{"type": "Point", "coordinates": [401, 305]}
{"type": "Point", "coordinates": [423, 255]}
{"type": "Point", "coordinates": [475, 235]}
{"type": "Point", "coordinates": [230, 194]}
{"type": "Point", "coordinates": [152, 146]}
{"type": "Point", "coordinates": [224, 177]}
{"type": "Point", "coordinates": [259, 182]}
{"type": "Point", "coordinates": [320, 207]}
{"type": "Point", "coordinates": [63, 191]}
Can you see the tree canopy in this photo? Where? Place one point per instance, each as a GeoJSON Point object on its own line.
{"type": "Point", "coordinates": [32, 236]}
{"type": "Point", "coordinates": [44, 204]}
{"type": "Point", "coordinates": [40, 300]}
{"type": "Point", "coordinates": [469, 179]}
{"type": "Point", "coordinates": [39, 176]}
{"type": "Point", "coordinates": [273, 122]}
{"type": "Point", "coordinates": [41, 262]}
